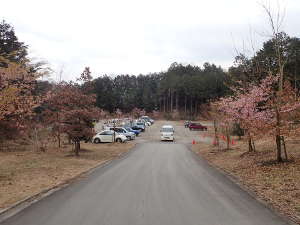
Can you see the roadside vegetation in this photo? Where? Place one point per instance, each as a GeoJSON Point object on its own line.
{"type": "Point", "coordinates": [28, 172]}
{"type": "Point", "coordinates": [256, 129]}
{"type": "Point", "coordinates": [277, 184]}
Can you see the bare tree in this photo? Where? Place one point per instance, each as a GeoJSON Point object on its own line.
{"type": "Point", "coordinates": [276, 20]}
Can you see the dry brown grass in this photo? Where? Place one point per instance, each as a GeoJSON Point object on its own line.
{"type": "Point", "coordinates": [25, 173]}
{"type": "Point", "coordinates": [278, 184]}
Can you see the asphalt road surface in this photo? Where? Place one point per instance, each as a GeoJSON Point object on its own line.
{"type": "Point", "coordinates": [155, 184]}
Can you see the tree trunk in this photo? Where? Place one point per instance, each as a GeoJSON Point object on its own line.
{"type": "Point", "coordinates": [58, 139]}
{"type": "Point", "coordinates": [295, 77]}
{"type": "Point", "coordinates": [160, 104]}
{"type": "Point", "coordinates": [36, 139]}
{"type": "Point", "coordinates": [191, 113]}
{"type": "Point", "coordinates": [114, 136]}
{"type": "Point", "coordinates": [250, 143]}
{"type": "Point", "coordinates": [164, 99]}
{"type": "Point", "coordinates": [77, 147]}
{"type": "Point", "coordinates": [250, 147]}
{"type": "Point", "coordinates": [216, 143]}
{"type": "Point", "coordinates": [227, 138]}
{"type": "Point", "coordinates": [185, 104]}
{"type": "Point", "coordinates": [58, 134]}
{"type": "Point", "coordinates": [253, 145]}
{"type": "Point", "coordinates": [284, 147]}
{"type": "Point", "coordinates": [171, 102]}
{"type": "Point", "coordinates": [278, 138]}
{"type": "Point", "coordinates": [196, 108]}
{"type": "Point", "coordinates": [177, 102]}
{"type": "Point", "coordinates": [167, 102]}
{"type": "Point", "coordinates": [278, 144]}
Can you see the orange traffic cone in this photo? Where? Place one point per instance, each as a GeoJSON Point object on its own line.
{"type": "Point", "coordinates": [194, 142]}
{"type": "Point", "coordinates": [232, 142]}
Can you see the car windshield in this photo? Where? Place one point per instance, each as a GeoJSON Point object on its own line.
{"type": "Point", "coordinates": [140, 123]}
{"type": "Point", "coordinates": [167, 130]}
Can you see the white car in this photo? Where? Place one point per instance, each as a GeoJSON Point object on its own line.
{"type": "Point", "coordinates": [108, 136]}
{"type": "Point", "coordinates": [148, 119]}
{"type": "Point", "coordinates": [167, 133]}
{"type": "Point", "coordinates": [145, 122]}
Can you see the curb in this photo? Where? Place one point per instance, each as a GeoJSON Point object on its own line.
{"type": "Point", "coordinates": [245, 188]}
{"type": "Point", "coordinates": [26, 202]}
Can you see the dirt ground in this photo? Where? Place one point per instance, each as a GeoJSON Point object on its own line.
{"type": "Point", "coordinates": [277, 184]}
{"type": "Point", "coordinates": [25, 173]}
{"type": "Point", "coordinates": [181, 135]}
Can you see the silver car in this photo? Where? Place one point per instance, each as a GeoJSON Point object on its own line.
{"type": "Point", "coordinates": [122, 130]}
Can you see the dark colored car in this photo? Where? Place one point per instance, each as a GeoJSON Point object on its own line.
{"type": "Point", "coordinates": [141, 124]}
{"type": "Point", "coordinates": [137, 132]}
{"type": "Point", "coordinates": [197, 126]}
{"type": "Point", "coordinates": [136, 127]}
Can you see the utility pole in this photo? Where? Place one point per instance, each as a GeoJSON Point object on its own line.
{"type": "Point", "coordinates": [114, 130]}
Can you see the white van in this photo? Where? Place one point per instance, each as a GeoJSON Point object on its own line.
{"type": "Point", "coordinates": [167, 133]}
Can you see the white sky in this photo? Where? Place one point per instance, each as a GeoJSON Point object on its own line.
{"type": "Point", "coordinates": [138, 36]}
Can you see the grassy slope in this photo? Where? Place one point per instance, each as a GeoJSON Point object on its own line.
{"type": "Point", "coordinates": [278, 184]}
{"type": "Point", "coordinates": [25, 173]}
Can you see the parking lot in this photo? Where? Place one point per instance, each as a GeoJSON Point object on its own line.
{"type": "Point", "coordinates": [182, 135]}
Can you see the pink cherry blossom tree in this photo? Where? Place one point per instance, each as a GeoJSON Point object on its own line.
{"type": "Point", "coordinates": [262, 109]}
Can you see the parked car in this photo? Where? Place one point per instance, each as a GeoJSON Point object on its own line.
{"type": "Point", "coordinates": [141, 125]}
{"type": "Point", "coordinates": [167, 133]}
{"type": "Point", "coordinates": [148, 119]}
{"type": "Point", "coordinates": [187, 123]}
{"type": "Point", "coordinates": [139, 128]}
{"type": "Point", "coordinates": [121, 130]}
{"type": "Point", "coordinates": [146, 123]}
{"type": "Point", "coordinates": [197, 126]}
{"type": "Point", "coordinates": [129, 129]}
{"type": "Point", "coordinates": [108, 136]}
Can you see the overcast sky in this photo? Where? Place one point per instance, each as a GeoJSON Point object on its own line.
{"type": "Point", "coordinates": [138, 36]}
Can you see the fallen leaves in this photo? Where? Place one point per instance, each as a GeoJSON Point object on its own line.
{"type": "Point", "coordinates": [277, 184]}
{"type": "Point", "coordinates": [28, 173]}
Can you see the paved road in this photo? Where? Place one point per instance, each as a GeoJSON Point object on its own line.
{"type": "Point", "coordinates": [156, 184]}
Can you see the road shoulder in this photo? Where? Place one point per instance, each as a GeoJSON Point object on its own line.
{"type": "Point", "coordinates": [64, 175]}
{"type": "Point", "coordinates": [218, 159]}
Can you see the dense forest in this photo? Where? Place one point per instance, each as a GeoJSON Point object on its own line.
{"type": "Point", "coordinates": [182, 88]}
